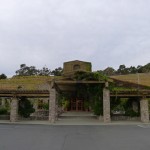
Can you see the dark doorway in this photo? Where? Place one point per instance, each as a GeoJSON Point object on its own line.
{"type": "Point", "coordinates": [76, 105]}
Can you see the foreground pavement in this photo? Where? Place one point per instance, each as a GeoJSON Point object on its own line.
{"type": "Point", "coordinates": [51, 137]}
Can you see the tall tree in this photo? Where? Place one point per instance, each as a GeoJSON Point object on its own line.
{"type": "Point", "coordinates": [44, 72]}
{"type": "Point", "coordinates": [139, 69]}
{"type": "Point", "coordinates": [123, 70]}
{"type": "Point", "coordinates": [132, 69]}
{"type": "Point", "coordinates": [146, 68]}
{"type": "Point", "coordinates": [26, 71]}
{"type": "Point", "coordinates": [57, 72]}
{"type": "Point", "coordinates": [109, 71]}
{"type": "Point", "coordinates": [3, 76]}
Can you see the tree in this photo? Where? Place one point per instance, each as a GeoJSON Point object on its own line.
{"type": "Point", "coordinates": [26, 71]}
{"type": "Point", "coordinates": [33, 71]}
{"type": "Point", "coordinates": [123, 70]}
{"type": "Point", "coordinates": [100, 71]}
{"type": "Point", "coordinates": [109, 71]}
{"type": "Point", "coordinates": [139, 69]}
{"type": "Point", "coordinates": [132, 69]}
{"type": "Point", "coordinates": [57, 72]}
{"type": "Point", "coordinates": [44, 72]}
{"type": "Point", "coordinates": [3, 76]}
{"type": "Point", "coordinates": [146, 68]}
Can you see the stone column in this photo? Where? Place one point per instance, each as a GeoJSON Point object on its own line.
{"type": "Point", "coordinates": [106, 105]}
{"type": "Point", "coordinates": [52, 105]}
{"type": "Point", "coordinates": [144, 110]}
{"type": "Point", "coordinates": [14, 110]}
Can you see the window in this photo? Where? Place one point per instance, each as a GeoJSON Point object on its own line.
{"type": "Point", "coordinates": [76, 67]}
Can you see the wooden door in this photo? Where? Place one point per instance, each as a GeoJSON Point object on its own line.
{"type": "Point", "coordinates": [77, 105]}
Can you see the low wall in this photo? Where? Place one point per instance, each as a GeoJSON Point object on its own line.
{"type": "Point", "coordinates": [124, 118]}
{"type": "Point", "coordinates": [39, 115]}
{"type": "Point", "coordinates": [34, 118]}
{"type": "Point", "coordinates": [4, 117]}
{"type": "Point", "coordinates": [120, 118]}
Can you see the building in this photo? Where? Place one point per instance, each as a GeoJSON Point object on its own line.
{"type": "Point", "coordinates": [51, 87]}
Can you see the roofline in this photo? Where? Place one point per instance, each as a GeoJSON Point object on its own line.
{"type": "Point", "coordinates": [77, 61]}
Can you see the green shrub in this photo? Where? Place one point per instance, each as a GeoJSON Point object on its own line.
{"type": "Point", "coordinates": [25, 107]}
{"type": "Point", "coordinates": [98, 108]}
{"type": "Point", "coordinates": [65, 104]}
{"type": "Point", "coordinates": [3, 111]}
{"type": "Point", "coordinates": [131, 113]}
{"type": "Point", "coordinates": [46, 106]}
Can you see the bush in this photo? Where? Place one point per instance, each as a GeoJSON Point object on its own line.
{"type": "Point", "coordinates": [46, 106]}
{"type": "Point", "coordinates": [132, 113]}
{"type": "Point", "coordinates": [25, 107]}
{"type": "Point", "coordinates": [3, 111]}
{"type": "Point", "coordinates": [98, 108]}
{"type": "Point", "coordinates": [65, 104]}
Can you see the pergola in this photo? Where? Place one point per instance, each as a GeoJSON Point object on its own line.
{"type": "Point", "coordinates": [57, 86]}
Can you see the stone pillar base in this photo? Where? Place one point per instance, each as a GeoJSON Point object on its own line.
{"type": "Point", "coordinates": [144, 111]}
{"type": "Point", "coordinates": [52, 106]}
{"type": "Point", "coordinates": [14, 110]}
{"type": "Point", "coordinates": [106, 105]}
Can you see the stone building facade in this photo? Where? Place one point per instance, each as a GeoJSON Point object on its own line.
{"type": "Point", "coordinates": [65, 84]}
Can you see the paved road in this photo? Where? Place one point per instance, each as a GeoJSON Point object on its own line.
{"type": "Point", "coordinates": [44, 137]}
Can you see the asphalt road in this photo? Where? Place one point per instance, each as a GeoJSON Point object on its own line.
{"type": "Point", "coordinates": [44, 137]}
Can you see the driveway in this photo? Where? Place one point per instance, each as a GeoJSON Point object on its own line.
{"type": "Point", "coordinates": [49, 137]}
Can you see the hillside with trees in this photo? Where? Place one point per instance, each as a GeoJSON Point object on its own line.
{"type": "Point", "coordinates": [25, 70]}
{"type": "Point", "coordinates": [123, 70]}
{"type": "Point", "coordinates": [3, 76]}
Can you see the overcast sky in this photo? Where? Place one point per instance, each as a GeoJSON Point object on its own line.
{"type": "Point", "coordinates": [50, 32]}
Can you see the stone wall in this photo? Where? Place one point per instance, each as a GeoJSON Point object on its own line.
{"type": "Point", "coordinates": [44, 118]}
{"type": "Point", "coordinates": [14, 110]}
{"type": "Point", "coordinates": [106, 105]}
{"type": "Point", "coordinates": [124, 118]}
{"type": "Point", "coordinates": [144, 110]}
{"type": "Point", "coordinates": [52, 106]}
{"type": "Point", "coordinates": [4, 117]}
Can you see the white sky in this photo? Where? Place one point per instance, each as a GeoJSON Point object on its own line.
{"type": "Point", "coordinates": [50, 32]}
